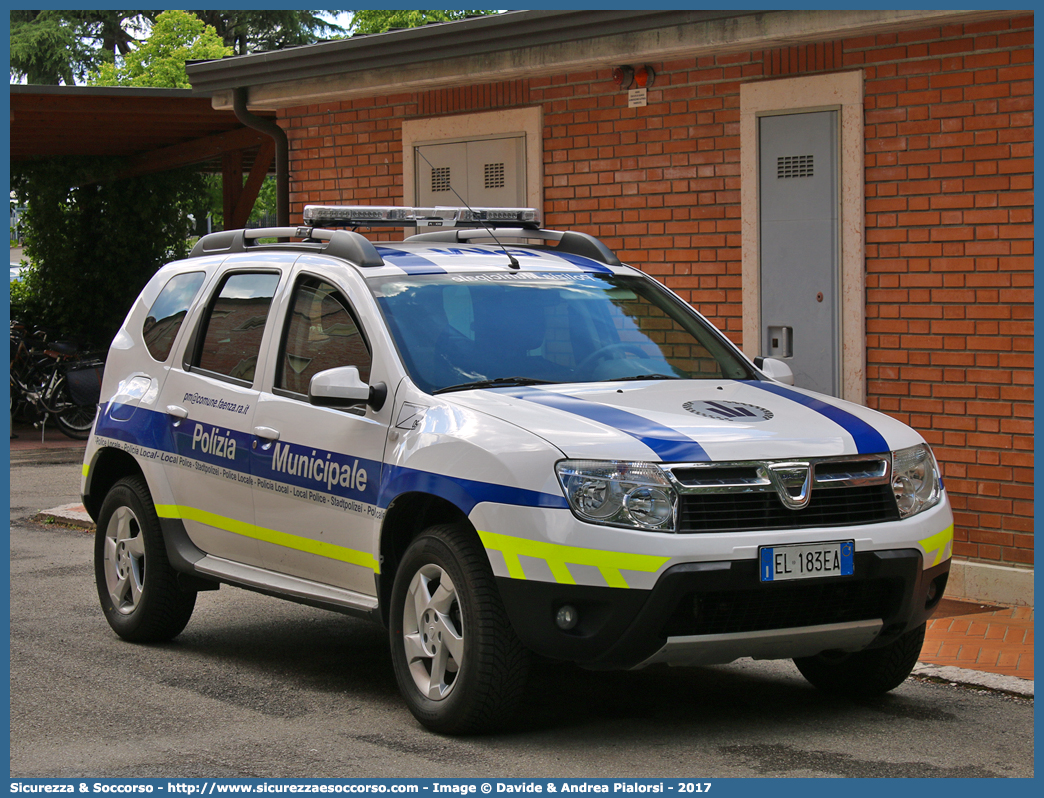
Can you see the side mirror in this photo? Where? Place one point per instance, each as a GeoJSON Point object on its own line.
{"type": "Point", "coordinates": [343, 387]}
{"type": "Point", "coordinates": [775, 369]}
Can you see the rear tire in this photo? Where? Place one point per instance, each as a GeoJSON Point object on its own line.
{"type": "Point", "coordinates": [138, 589]}
{"type": "Point", "coordinates": [458, 662]}
{"type": "Point", "coordinates": [866, 673]}
{"type": "Point", "coordinates": [76, 421]}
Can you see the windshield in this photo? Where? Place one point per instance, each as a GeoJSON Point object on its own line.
{"type": "Point", "coordinates": [455, 331]}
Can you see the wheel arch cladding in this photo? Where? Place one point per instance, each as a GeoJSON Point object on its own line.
{"type": "Point", "coordinates": [109, 467]}
{"type": "Point", "coordinates": [407, 517]}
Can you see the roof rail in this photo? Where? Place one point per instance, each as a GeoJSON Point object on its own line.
{"type": "Point", "coordinates": [344, 244]}
{"type": "Point", "coordinates": [569, 241]}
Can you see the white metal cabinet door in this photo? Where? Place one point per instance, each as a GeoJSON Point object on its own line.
{"type": "Point", "coordinates": [800, 246]}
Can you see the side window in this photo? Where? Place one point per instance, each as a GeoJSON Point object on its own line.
{"type": "Point", "coordinates": [234, 325]}
{"type": "Point", "coordinates": [168, 312]}
{"type": "Point", "coordinates": [321, 334]}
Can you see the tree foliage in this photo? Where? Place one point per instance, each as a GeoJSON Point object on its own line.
{"type": "Point", "coordinates": [56, 47]}
{"type": "Point", "coordinates": [93, 246]}
{"type": "Point", "coordinates": [380, 21]}
{"type": "Point", "coordinates": [257, 31]}
{"type": "Point", "coordinates": [159, 61]}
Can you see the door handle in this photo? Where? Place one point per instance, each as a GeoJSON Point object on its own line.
{"type": "Point", "coordinates": [177, 412]}
{"type": "Point", "coordinates": [267, 433]}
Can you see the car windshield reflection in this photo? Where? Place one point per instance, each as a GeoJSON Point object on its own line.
{"type": "Point", "coordinates": [472, 330]}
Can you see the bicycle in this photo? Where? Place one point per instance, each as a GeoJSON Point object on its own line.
{"type": "Point", "coordinates": [54, 379]}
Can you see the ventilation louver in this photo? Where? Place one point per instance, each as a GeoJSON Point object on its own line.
{"type": "Point", "coordinates": [794, 166]}
{"type": "Point", "coordinates": [494, 175]}
{"type": "Point", "coordinates": [440, 178]}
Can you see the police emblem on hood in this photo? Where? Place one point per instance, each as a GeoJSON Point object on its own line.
{"type": "Point", "coordinates": [721, 410]}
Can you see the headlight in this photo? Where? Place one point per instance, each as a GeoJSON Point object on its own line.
{"type": "Point", "coordinates": [915, 480]}
{"type": "Point", "coordinates": [619, 494]}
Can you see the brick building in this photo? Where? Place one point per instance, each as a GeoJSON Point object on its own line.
{"type": "Point", "coordinates": [929, 136]}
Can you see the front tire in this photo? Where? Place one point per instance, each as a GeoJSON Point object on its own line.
{"type": "Point", "coordinates": [458, 662]}
{"type": "Point", "coordinates": [138, 589]}
{"type": "Point", "coordinates": [866, 673]}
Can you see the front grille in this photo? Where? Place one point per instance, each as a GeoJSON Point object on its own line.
{"type": "Point", "coordinates": [734, 512]}
{"type": "Point", "coordinates": [777, 606]}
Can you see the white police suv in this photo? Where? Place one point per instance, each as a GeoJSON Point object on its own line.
{"type": "Point", "coordinates": [496, 449]}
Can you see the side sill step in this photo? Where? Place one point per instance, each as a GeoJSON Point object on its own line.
{"type": "Point", "coordinates": [292, 587]}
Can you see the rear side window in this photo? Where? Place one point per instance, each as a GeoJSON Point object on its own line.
{"type": "Point", "coordinates": [235, 324]}
{"type": "Point", "coordinates": [168, 312]}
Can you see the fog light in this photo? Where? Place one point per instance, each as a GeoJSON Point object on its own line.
{"type": "Point", "coordinates": [567, 617]}
{"type": "Point", "coordinates": [933, 590]}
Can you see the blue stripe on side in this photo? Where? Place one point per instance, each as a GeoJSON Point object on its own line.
{"type": "Point", "coordinates": [669, 444]}
{"type": "Point", "coordinates": [410, 262]}
{"type": "Point", "coordinates": [154, 430]}
{"type": "Point", "coordinates": [867, 439]}
{"type": "Point", "coordinates": [140, 426]}
{"type": "Point", "coordinates": [586, 264]}
{"type": "Point", "coordinates": [464, 493]}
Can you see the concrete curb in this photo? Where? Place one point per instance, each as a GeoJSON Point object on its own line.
{"type": "Point", "coordinates": [68, 514]}
{"type": "Point", "coordinates": [970, 678]}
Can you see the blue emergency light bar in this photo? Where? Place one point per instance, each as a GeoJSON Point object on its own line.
{"type": "Point", "coordinates": [437, 217]}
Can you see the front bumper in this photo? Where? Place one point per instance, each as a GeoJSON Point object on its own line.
{"type": "Point", "coordinates": [715, 612]}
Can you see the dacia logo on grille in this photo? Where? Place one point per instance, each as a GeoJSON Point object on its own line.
{"type": "Point", "coordinates": [722, 410]}
{"type": "Point", "coordinates": [793, 483]}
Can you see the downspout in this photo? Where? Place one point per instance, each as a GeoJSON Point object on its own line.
{"type": "Point", "coordinates": [282, 152]}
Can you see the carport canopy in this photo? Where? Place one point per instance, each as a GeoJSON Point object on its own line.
{"type": "Point", "coordinates": [153, 130]}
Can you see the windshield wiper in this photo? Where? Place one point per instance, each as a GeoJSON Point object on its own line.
{"type": "Point", "coordinates": [646, 377]}
{"type": "Point", "coordinates": [497, 383]}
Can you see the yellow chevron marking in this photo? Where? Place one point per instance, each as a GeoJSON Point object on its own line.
{"type": "Point", "coordinates": [941, 543]}
{"type": "Point", "coordinates": [557, 556]}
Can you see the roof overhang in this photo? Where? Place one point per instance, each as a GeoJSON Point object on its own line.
{"type": "Point", "coordinates": [154, 129]}
{"type": "Point", "coordinates": [520, 44]}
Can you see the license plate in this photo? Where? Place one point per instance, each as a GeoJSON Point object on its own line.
{"type": "Point", "coordinates": [807, 561]}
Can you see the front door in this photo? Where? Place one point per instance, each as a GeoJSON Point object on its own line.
{"type": "Point", "coordinates": [317, 470]}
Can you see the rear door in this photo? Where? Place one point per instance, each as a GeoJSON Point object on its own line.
{"type": "Point", "coordinates": [210, 400]}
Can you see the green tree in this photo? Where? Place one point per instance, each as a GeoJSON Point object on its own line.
{"type": "Point", "coordinates": [159, 61]}
{"type": "Point", "coordinates": [257, 31]}
{"type": "Point", "coordinates": [55, 47]}
{"type": "Point", "coordinates": [380, 21]}
{"type": "Point", "coordinates": [93, 245]}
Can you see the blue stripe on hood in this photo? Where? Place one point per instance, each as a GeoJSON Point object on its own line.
{"type": "Point", "coordinates": [867, 439]}
{"type": "Point", "coordinates": [669, 444]}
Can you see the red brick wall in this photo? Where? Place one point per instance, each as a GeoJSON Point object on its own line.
{"type": "Point", "coordinates": [949, 230]}
{"type": "Point", "coordinates": [949, 218]}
